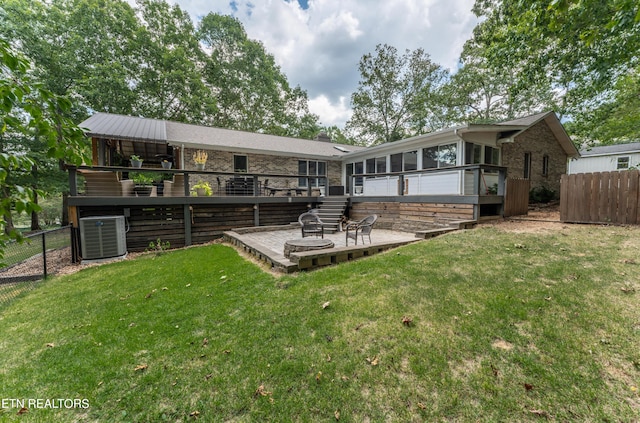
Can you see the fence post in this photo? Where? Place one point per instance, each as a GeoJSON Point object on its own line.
{"type": "Point", "coordinates": [44, 255]}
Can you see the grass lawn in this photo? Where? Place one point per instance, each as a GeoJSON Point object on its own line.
{"type": "Point", "coordinates": [480, 325]}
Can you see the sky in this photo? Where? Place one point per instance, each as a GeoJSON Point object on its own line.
{"type": "Point", "coordinates": [318, 43]}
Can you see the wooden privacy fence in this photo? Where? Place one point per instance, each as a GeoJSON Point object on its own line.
{"type": "Point", "coordinates": [516, 199]}
{"type": "Point", "coordinates": [602, 197]}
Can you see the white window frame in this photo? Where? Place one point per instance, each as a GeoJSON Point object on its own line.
{"type": "Point", "coordinates": [623, 162]}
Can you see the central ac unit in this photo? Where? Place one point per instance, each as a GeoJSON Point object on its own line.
{"type": "Point", "coordinates": [103, 237]}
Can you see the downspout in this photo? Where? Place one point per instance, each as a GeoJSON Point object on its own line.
{"type": "Point", "coordinates": [182, 156]}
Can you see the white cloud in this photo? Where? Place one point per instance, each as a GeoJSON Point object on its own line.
{"type": "Point", "coordinates": [319, 48]}
{"type": "Point", "coordinates": [331, 113]}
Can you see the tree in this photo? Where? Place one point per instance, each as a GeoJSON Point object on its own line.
{"type": "Point", "coordinates": [79, 48]}
{"type": "Point", "coordinates": [393, 91]}
{"type": "Point", "coordinates": [578, 48]}
{"type": "Point", "coordinates": [168, 84]}
{"type": "Point", "coordinates": [251, 92]}
{"type": "Point", "coordinates": [484, 91]}
{"type": "Point", "coordinates": [29, 110]}
{"type": "Point", "coordinates": [616, 119]}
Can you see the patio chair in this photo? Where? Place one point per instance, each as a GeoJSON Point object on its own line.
{"type": "Point", "coordinates": [362, 228]}
{"type": "Point", "coordinates": [105, 184]}
{"type": "Point", "coordinates": [175, 187]}
{"type": "Point", "coordinates": [311, 225]}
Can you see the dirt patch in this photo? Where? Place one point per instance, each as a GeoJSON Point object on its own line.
{"type": "Point", "coordinates": [540, 219]}
{"type": "Point", "coordinates": [501, 344]}
{"type": "Point", "coordinates": [58, 262]}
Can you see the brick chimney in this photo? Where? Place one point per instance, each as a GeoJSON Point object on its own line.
{"type": "Point", "coordinates": [322, 136]}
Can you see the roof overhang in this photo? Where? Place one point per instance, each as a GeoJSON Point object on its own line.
{"type": "Point", "coordinates": [126, 128]}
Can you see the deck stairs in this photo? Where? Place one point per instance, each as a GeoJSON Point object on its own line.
{"type": "Point", "coordinates": [330, 210]}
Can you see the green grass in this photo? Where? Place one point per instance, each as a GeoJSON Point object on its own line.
{"type": "Point", "coordinates": [504, 327]}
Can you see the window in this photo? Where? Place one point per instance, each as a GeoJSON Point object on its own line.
{"type": "Point", "coordinates": [527, 166]}
{"type": "Point", "coordinates": [311, 168]}
{"type": "Point", "coordinates": [358, 169]}
{"type": "Point", "coordinates": [410, 160]}
{"type": "Point", "coordinates": [349, 178]}
{"type": "Point", "coordinates": [439, 156]}
{"type": "Point", "coordinates": [430, 158]}
{"type": "Point", "coordinates": [491, 155]}
{"type": "Point", "coordinates": [623, 162]}
{"type": "Point", "coordinates": [545, 165]}
{"type": "Point", "coordinates": [381, 164]}
{"type": "Point", "coordinates": [472, 153]}
{"type": "Point", "coordinates": [396, 162]}
{"type": "Point", "coordinates": [371, 165]}
{"type": "Point", "coordinates": [447, 155]}
{"type": "Point", "coordinates": [240, 164]}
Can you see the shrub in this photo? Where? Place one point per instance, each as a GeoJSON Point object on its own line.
{"type": "Point", "coordinates": [542, 194]}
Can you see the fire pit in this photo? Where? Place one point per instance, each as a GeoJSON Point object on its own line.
{"type": "Point", "coordinates": [297, 245]}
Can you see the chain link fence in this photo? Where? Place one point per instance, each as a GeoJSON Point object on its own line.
{"type": "Point", "coordinates": [27, 263]}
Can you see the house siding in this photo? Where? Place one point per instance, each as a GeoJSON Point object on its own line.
{"type": "Point", "coordinates": [538, 141]}
{"type": "Point", "coordinates": [604, 163]}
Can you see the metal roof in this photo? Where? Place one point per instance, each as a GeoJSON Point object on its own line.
{"type": "Point", "coordinates": [633, 147]}
{"type": "Point", "coordinates": [107, 125]}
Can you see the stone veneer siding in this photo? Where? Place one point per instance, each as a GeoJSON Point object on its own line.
{"type": "Point", "coordinates": [222, 161]}
{"type": "Point", "coordinates": [538, 141]}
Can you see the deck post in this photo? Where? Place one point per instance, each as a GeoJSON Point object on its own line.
{"type": "Point", "coordinates": [187, 225]}
{"type": "Point", "coordinates": [187, 213]}
{"type": "Point", "coordinates": [73, 183]}
{"type": "Point", "coordinates": [256, 214]}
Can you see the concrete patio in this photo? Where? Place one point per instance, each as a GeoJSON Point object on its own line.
{"type": "Point", "coordinates": [267, 243]}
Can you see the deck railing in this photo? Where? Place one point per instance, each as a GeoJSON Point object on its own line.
{"type": "Point", "coordinates": [462, 180]}
{"type": "Point", "coordinates": [107, 181]}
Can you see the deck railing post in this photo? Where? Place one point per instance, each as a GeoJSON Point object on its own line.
{"type": "Point", "coordinates": [256, 188]}
{"type": "Point", "coordinates": [502, 178]}
{"type": "Point", "coordinates": [73, 183]}
{"type": "Point", "coordinates": [476, 180]}
{"type": "Point", "coordinates": [186, 185]}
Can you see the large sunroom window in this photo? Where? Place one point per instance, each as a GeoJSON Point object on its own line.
{"type": "Point", "coordinates": [439, 156]}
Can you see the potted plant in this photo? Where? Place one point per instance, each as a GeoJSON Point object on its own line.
{"type": "Point", "coordinates": [136, 161]}
{"type": "Point", "coordinates": [202, 189]}
{"type": "Point", "coordinates": [143, 184]}
{"type": "Point", "coordinates": [200, 158]}
{"type": "Point", "coordinates": [166, 164]}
